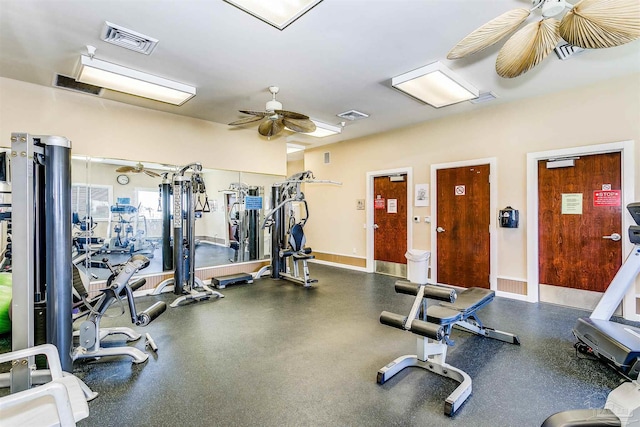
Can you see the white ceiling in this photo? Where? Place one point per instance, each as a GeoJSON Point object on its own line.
{"type": "Point", "coordinates": [341, 55]}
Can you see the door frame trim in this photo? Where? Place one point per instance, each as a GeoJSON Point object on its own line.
{"type": "Point", "coordinates": [493, 205]}
{"type": "Point", "coordinates": [370, 265]}
{"type": "Point", "coordinates": [626, 148]}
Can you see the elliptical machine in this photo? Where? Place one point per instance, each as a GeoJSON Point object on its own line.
{"type": "Point", "coordinates": [187, 206]}
{"type": "Point", "coordinates": [615, 344]}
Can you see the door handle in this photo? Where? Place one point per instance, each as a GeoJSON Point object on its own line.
{"type": "Point", "coordinates": [440, 229]}
{"type": "Point", "coordinates": [376, 226]}
{"type": "Point", "coordinates": [614, 236]}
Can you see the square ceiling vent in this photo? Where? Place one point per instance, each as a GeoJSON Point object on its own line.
{"type": "Point", "coordinates": [353, 115]}
{"type": "Point", "coordinates": [129, 39]}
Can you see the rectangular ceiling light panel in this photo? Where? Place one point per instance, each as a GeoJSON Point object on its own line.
{"type": "Point", "coordinates": [279, 13]}
{"type": "Point", "coordinates": [324, 129]}
{"type": "Point", "coordinates": [435, 85]}
{"type": "Point", "coordinates": [123, 79]}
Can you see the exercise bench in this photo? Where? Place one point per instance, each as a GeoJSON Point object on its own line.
{"type": "Point", "coordinates": [434, 323]}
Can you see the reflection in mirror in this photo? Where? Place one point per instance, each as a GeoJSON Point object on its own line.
{"type": "Point", "coordinates": [118, 211]}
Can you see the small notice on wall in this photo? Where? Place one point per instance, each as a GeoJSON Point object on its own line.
{"type": "Point", "coordinates": [392, 205]}
{"type": "Point", "coordinates": [572, 203]}
{"type": "Point", "coordinates": [379, 203]}
{"type": "Point", "coordinates": [606, 198]}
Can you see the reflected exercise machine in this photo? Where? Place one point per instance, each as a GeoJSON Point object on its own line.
{"type": "Point", "coordinates": [187, 206]}
{"type": "Point", "coordinates": [243, 218]}
{"type": "Point", "coordinates": [616, 344]}
{"type": "Point", "coordinates": [433, 324]}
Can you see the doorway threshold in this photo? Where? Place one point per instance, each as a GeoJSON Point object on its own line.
{"type": "Point", "coordinates": [391, 268]}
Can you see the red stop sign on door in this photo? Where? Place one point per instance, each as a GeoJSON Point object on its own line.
{"type": "Point", "coordinates": [606, 198]}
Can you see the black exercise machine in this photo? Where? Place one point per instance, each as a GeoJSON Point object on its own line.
{"type": "Point", "coordinates": [434, 324]}
{"type": "Point", "coordinates": [118, 290]}
{"type": "Point", "coordinates": [616, 344]}
{"type": "Point", "coordinates": [288, 243]}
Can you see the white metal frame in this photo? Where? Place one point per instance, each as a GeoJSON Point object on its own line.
{"type": "Point", "coordinates": [370, 266]}
{"type": "Point", "coordinates": [626, 148]}
{"type": "Point", "coordinates": [493, 222]}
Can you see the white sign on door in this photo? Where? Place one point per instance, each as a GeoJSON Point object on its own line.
{"type": "Point", "coordinates": [460, 190]}
{"type": "Point", "coordinates": [392, 205]}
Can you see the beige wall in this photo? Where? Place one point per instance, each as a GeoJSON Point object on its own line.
{"type": "Point", "coordinates": [295, 166]}
{"type": "Point", "coordinates": [602, 113]}
{"type": "Point", "coordinates": [104, 128]}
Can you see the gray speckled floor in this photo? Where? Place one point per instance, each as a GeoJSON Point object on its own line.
{"type": "Point", "coordinates": [275, 354]}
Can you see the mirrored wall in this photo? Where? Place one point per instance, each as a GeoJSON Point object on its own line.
{"type": "Point", "coordinates": [118, 212]}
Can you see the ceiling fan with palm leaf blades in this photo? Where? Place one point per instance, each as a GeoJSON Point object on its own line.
{"type": "Point", "coordinates": [276, 119]}
{"type": "Point", "coordinates": [589, 24]}
{"type": "Point", "coordinates": [138, 168]}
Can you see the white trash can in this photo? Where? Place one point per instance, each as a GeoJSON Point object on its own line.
{"type": "Point", "coordinates": [417, 265]}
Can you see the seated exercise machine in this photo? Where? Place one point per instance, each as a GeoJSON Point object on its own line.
{"type": "Point", "coordinates": [289, 244]}
{"type": "Point", "coordinates": [187, 206]}
{"type": "Point", "coordinates": [118, 290]}
{"type": "Point", "coordinates": [434, 323]}
{"type": "Point", "coordinates": [616, 344]}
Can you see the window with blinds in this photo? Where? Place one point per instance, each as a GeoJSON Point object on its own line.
{"type": "Point", "coordinates": [91, 201]}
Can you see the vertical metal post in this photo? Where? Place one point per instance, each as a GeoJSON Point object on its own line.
{"type": "Point", "coordinates": [167, 255]}
{"type": "Point", "coordinates": [254, 227]}
{"type": "Point", "coordinates": [23, 238]}
{"type": "Point", "coordinates": [277, 231]}
{"type": "Point", "coordinates": [58, 244]}
{"type": "Point", "coordinates": [178, 234]}
{"type": "Point", "coordinates": [190, 223]}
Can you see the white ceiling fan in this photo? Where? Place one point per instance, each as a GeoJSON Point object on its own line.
{"type": "Point", "coordinates": [590, 24]}
{"type": "Point", "coordinates": [276, 119]}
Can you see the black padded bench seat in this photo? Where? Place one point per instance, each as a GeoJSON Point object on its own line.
{"type": "Point", "coordinates": [433, 322]}
{"type": "Point", "coordinates": [468, 302]}
{"type": "Point", "coordinates": [471, 299]}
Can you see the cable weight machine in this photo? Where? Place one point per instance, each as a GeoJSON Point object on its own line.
{"type": "Point", "coordinates": [187, 206]}
{"type": "Point", "coordinates": [287, 235]}
{"type": "Point", "coordinates": [41, 227]}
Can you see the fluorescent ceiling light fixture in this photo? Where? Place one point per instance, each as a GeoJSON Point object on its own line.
{"type": "Point", "coordinates": [435, 85]}
{"type": "Point", "coordinates": [294, 148]}
{"type": "Point", "coordinates": [324, 129]}
{"type": "Point", "coordinates": [122, 79]}
{"type": "Point", "coordinates": [279, 13]}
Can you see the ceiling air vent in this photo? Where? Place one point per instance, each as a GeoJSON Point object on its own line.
{"type": "Point", "coordinates": [564, 50]}
{"type": "Point", "coordinates": [484, 97]}
{"type": "Point", "coordinates": [128, 39]}
{"type": "Point", "coordinates": [69, 83]}
{"type": "Point", "coordinates": [353, 115]}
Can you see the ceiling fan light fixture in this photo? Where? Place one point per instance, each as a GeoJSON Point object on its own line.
{"type": "Point", "coordinates": [122, 79]}
{"type": "Point", "coordinates": [553, 7]}
{"type": "Point", "coordinates": [278, 13]}
{"type": "Point", "coordinates": [436, 85]}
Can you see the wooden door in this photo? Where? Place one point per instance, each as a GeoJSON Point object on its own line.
{"type": "Point", "coordinates": [574, 213]}
{"type": "Point", "coordinates": [463, 219]}
{"type": "Point", "coordinates": [390, 219]}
